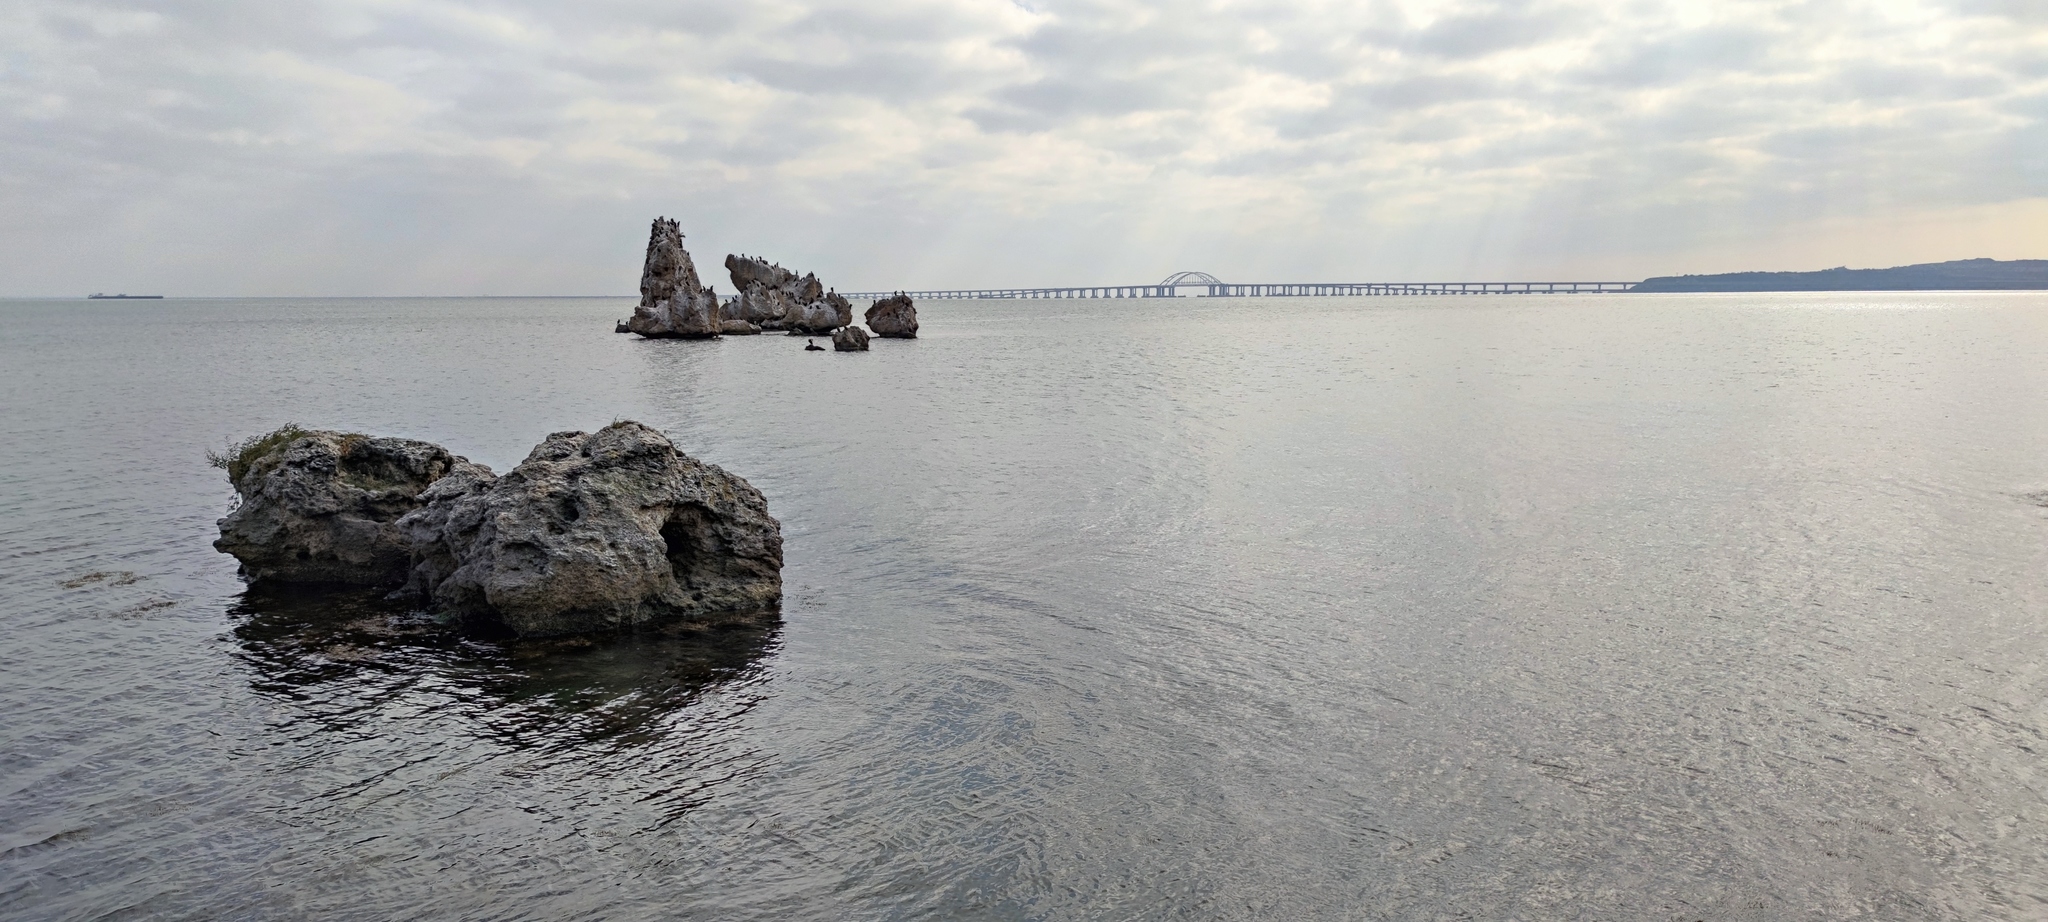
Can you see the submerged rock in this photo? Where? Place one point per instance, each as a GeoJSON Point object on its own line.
{"type": "Point", "coordinates": [850, 339]}
{"type": "Point", "coordinates": [893, 317]}
{"type": "Point", "coordinates": [597, 531]}
{"type": "Point", "coordinates": [323, 507]}
{"type": "Point", "coordinates": [672, 300]}
{"type": "Point", "coordinates": [775, 298]}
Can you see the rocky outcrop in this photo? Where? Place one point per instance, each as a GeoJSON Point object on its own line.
{"type": "Point", "coordinates": [592, 532]}
{"type": "Point", "coordinates": [850, 339]}
{"type": "Point", "coordinates": [893, 317]}
{"type": "Point", "coordinates": [323, 507]}
{"type": "Point", "coordinates": [774, 298]}
{"type": "Point", "coordinates": [825, 315]}
{"type": "Point", "coordinates": [672, 300]}
{"type": "Point", "coordinates": [597, 531]}
{"type": "Point", "coordinates": [738, 328]}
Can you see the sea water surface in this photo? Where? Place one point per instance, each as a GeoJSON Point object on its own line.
{"type": "Point", "coordinates": [1681, 607]}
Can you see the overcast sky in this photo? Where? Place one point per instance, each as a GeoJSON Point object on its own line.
{"type": "Point", "coordinates": [355, 147]}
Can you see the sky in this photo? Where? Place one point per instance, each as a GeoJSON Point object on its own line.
{"type": "Point", "coordinates": [449, 147]}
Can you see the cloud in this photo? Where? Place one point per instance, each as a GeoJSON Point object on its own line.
{"type": "Point", "coordinates": [451, 146]}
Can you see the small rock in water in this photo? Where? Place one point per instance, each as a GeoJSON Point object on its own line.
{"type": "Point", "coordinates": [738, 328]}
{"type": "Point", "coordinates": [893, 317]}
{"type": "Point", "coordinates": [850, 339]}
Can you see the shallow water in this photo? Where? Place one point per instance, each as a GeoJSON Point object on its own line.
{"type": "Point", "coordinates": [1621, 607]}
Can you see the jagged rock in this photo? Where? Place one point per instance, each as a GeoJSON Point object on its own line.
{"type": "Point", "coordinates": [893, 317]}
{"type": "Point", "coordinates": [672, 300]}
{"type": "Point", "coordinates": [850, 339]}
{"type": "Point", "coordinates": [775, 298]}
{"type": "Point", "coordinates": [748, 271]}
{"type": "Point", "coordinates": [322, 507]}
{"type": "Point", "coordinates": [596, 531]}
{"type": "Point", "coordinates": [828, 314]}
{"type": "Point", "coordinates": [738, 328]}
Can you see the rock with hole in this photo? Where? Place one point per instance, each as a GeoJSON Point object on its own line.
{"type": "Point", "coordinates": [597, 531]}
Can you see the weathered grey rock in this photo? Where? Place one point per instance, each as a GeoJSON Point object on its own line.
{"type": "Point", "coordinates": [738, 327]}
{"type": "Point", "coordinates": [749, 271]}
{"type": "Point", "coordinates": [893, 317]}
{"type": "Point", "coordinates": [828, 314]}
{"type": "Point", "coordinates": [823, 317]}
{"type": "Point", "coordinates": [763, 307]}
{"type": "Point", "coordinates": [774, 298]}
{"type": "Point", "coordinates": [596, 531]}
{"type": "Point", "coordinates": [850, 339]}
{"type": "Point", "coordinates": [672, 300]}
{"type": "Point", "coordinates": [323, 507]}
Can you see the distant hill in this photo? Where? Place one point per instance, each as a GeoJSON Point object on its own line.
{"type": "Point", "coordinates": [1958, 275]}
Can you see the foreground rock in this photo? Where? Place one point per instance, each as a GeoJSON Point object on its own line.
{"type": "Point", "coordinates": [592, 532]}
{"type": "Point", "coordinates": [893, 317]}
{"type": "Point", "coordinates": [774, 298]}
{"type": "Point", "coordinates": [850, 339]}
{"type": "Point", "coordinates": [672, 300]}
{"type": "Point", "coordinates": [323, 507]}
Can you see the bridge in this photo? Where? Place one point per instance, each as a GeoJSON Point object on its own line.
{"type": "Point", "coordinates": [1212, 287]}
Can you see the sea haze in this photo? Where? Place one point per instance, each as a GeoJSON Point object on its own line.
{"type": "Point", "coordinates": [1625, 607]}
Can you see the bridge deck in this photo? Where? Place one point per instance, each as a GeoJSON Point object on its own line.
{"type": "Point", "coordinates": [1268, 290]}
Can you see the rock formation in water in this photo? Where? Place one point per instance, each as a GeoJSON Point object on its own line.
{"type": "Point", "coordinates": [736, 327]}
{"type": "Point", "coordinates": [775, 298]}
{"type": "Point", "coordinates": [893, 317]}
{"type": "Point", "coordinates": [592, 532]}
{"type": "Point", "coordinates": [826, 315]}
{"type": "Point", "coordinates": [850, 339]}
{"type": "Point", "coordinates": [323, 507]}
{"type": "Point", "coordinates": [672, 300]}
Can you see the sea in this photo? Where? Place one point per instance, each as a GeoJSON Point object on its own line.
{"type": "Point", "coordinates": [1550, 607]}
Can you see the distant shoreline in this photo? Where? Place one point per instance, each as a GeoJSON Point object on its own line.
{"type": "Point", "coordinates": [1956, 275]}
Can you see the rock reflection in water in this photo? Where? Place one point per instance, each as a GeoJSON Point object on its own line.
{"type": "Point", "coordinates": [335, 652]}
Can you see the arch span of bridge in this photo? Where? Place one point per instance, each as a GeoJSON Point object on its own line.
{"type": "Point", "coordinates": [1212, 287]}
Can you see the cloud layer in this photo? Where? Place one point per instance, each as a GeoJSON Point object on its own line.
{"type": "Point", "coordinates": [442, 147]}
